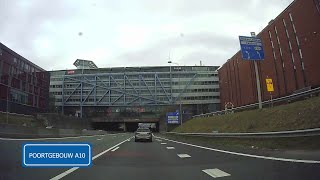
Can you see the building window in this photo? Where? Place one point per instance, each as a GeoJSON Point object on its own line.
{"type": "Point", "coordinates": [317, 3]}
{"type": "Point", "coordinates": [299, 48]}
{"type": "Point", "coordinates": [0, 52]}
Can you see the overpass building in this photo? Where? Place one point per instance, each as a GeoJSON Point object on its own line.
{"type": "Point", "coordinates": [106, 94]}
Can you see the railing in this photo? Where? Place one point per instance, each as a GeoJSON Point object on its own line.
{"type": "Point", "coordinates": [268, 102]}
{"type": "Point", "coordinates": [275, 134]}
{"type": "Point", "coordinates": [15, 114]}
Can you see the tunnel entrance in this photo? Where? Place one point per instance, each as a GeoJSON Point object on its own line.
{"type": "Point", "coordinates": [121, 127]}
{"type": "Point", "coordinates": [131, 127]}
{"type": "Point", "coordinates": [107, 126]}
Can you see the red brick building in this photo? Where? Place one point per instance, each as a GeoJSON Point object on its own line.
{"type": "Point", "coordinates": [24, 86]}
{"type": "Point", "coordinates": [292, 46]}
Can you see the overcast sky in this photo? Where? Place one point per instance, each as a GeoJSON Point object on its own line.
{"type": "Point", "coordinates": [54, 33]}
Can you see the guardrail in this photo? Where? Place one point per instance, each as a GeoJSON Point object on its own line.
{"type": "Point", "coordinates": [16, 114]}
{"type": "Point", "coordinates": [268, 102]}
{"type": "Point", "coordinates": [272, 134]}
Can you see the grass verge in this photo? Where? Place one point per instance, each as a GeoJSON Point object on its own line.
{"type": "Point", "coordinates": [298, 115]}
{"type": "Point", "coordinates": [292, 143]}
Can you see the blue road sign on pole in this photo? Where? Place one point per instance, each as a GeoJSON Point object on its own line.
{"type": "Point", "coordinates": [251, 48]}
{"type": "Point", "coordinates": [173, 118]}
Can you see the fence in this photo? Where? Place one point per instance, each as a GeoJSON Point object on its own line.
{"type": "Point", "coordinates": [291, 97]}
{"type": "Point", "coordinates": [275, 134]}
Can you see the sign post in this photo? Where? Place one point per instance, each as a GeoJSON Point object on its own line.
{"type": "Point", "coordinates": [270, 88]}
{"type": "Point", "coordinates": [252, 49]}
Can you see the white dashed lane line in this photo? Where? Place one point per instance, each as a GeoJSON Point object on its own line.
{"type": "Point", "coordinates": [93, 158]}
{"type": "Point", "coordinates": [184, 155]}
{"type": "Point", "coordinates": [163, 143]}
{"type": "Point", "coordinates": [170, 148]}
{"type": "Point", "coordinates": [246, 155]}
{"type": "Point", "coordinates": [216, 173]}
{"type": "Point", "coordinates": [99, 139]}
{"type": "Point", "coordinates": [113, 150]}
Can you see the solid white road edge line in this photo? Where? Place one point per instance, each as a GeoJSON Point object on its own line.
{"type": "Point", "coordinates": [113, 150]}
{"type": "Point", "coordinates": [30, 139]}
{"type": "Point", "coordinates": [247, 155]}
{"type": "Point", "coordinates": [95, 157]}
{"type": "Point", "coordinates": [71, 137]}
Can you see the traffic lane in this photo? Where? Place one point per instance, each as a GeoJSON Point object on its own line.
{"type": "Point", "coordinates": [241, 167]}
{"type": "Point", "coordinates": [11, 155]}
{"type": "Point", "coordinates": [280, 153]}
{"type": "Point", "coordinates": [141, 160]}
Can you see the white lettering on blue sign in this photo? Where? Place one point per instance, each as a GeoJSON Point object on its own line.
{"type": "Point", "coordinates": [57, 155]}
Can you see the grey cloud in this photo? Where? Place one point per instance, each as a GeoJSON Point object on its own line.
{"type": "Point", "coordinates": [248, 8]}
{"type": "Point", "coordinates": [21, 26]}
{"type": "Point", "coordinates": [218, 47]}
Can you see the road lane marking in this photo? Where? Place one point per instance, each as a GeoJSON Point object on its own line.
{"type": "Point", "coordinates": [30, 139]}
{"type": "Point", "coordinates": [113, 150]}
{"type": "Point", "coordinates": [93, 158]}
{"type": "Point", "coordinates": [170, 147]}
{"type": "Point", "coordinates": [216, 173]}
{"type": "Point", "coordinates": [64, 173]}
{"type": "Point", "coordinates": [99, 139]}
{"type": "Point", "coordinates": [184, 155]}
{"type": "Point", "coordinates": [247, 155]}
{"type": "Point", "coordinates": [159, 140]}
{"type": "Point", "coordinates": [163, 143]}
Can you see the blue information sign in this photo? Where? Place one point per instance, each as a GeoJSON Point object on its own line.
{"type": "Point", "coordinates": [56, 155]}
{"type": "Point", "coordinates": [173, 118]}
{"type": "Point", "coordinates": [251, 48]}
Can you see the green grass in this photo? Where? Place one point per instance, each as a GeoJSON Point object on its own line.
{"type": "Point", "coordinates": [292, 143]}
{"type": "Point", "coordinates": [28, 121]}
{"type": "Point", "coordinates": [298, 115]}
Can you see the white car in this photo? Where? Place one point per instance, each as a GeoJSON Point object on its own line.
{"type": "Point", "coordinates": [143, 134]}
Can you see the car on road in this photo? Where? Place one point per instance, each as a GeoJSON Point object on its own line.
{"type": "Point", "coordinates": [143, 134]}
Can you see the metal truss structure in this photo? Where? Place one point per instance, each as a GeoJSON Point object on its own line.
{"type": "Point", "coordinates": [122, 89]}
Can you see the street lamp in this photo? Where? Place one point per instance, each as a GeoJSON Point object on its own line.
{"type": "Point", "coordinates": [180, 105]}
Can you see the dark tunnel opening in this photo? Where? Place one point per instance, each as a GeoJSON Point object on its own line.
{"type": "Point", "coordinates": [123, 127]}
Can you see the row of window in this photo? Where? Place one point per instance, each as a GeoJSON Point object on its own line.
{"type": "Point", "coordinates": [144, 77]}
{"type": "Point", "coordinates": [18, 84]}
{"type": "Point", "coordinates": [317, 3]}
{"type": "Point", "coordinates": [145, 91]}
{"type": "Point", "coordinates": [129, 99]}
{"type": "Point", "coordinates": [196, 90]}
{"type": "Point", "coordinates": [150, 84]}
{"type": "Point", "coordinates": [21, 97]}
{"type": "Point", "coordinates": [201, 98]}
{"type": "Point", "coordinates": [56, 79]}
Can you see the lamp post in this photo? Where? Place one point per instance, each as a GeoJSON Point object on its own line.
{"type": "Point", "coordinates": [180, 105]}
{"type": "Point", "coordinates": [8, 104]}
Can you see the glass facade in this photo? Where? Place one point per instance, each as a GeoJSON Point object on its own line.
{"type": "Point", "coordinates": [24, 87]}
{"type": "Point", "coordinates": [123, 87]}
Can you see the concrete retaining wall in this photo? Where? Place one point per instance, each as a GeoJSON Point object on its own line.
{"type": "Point", "coordinates": [14, 131]}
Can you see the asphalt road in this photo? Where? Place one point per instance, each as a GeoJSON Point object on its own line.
{"type": "Point", "coordinates": [161, 159]}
